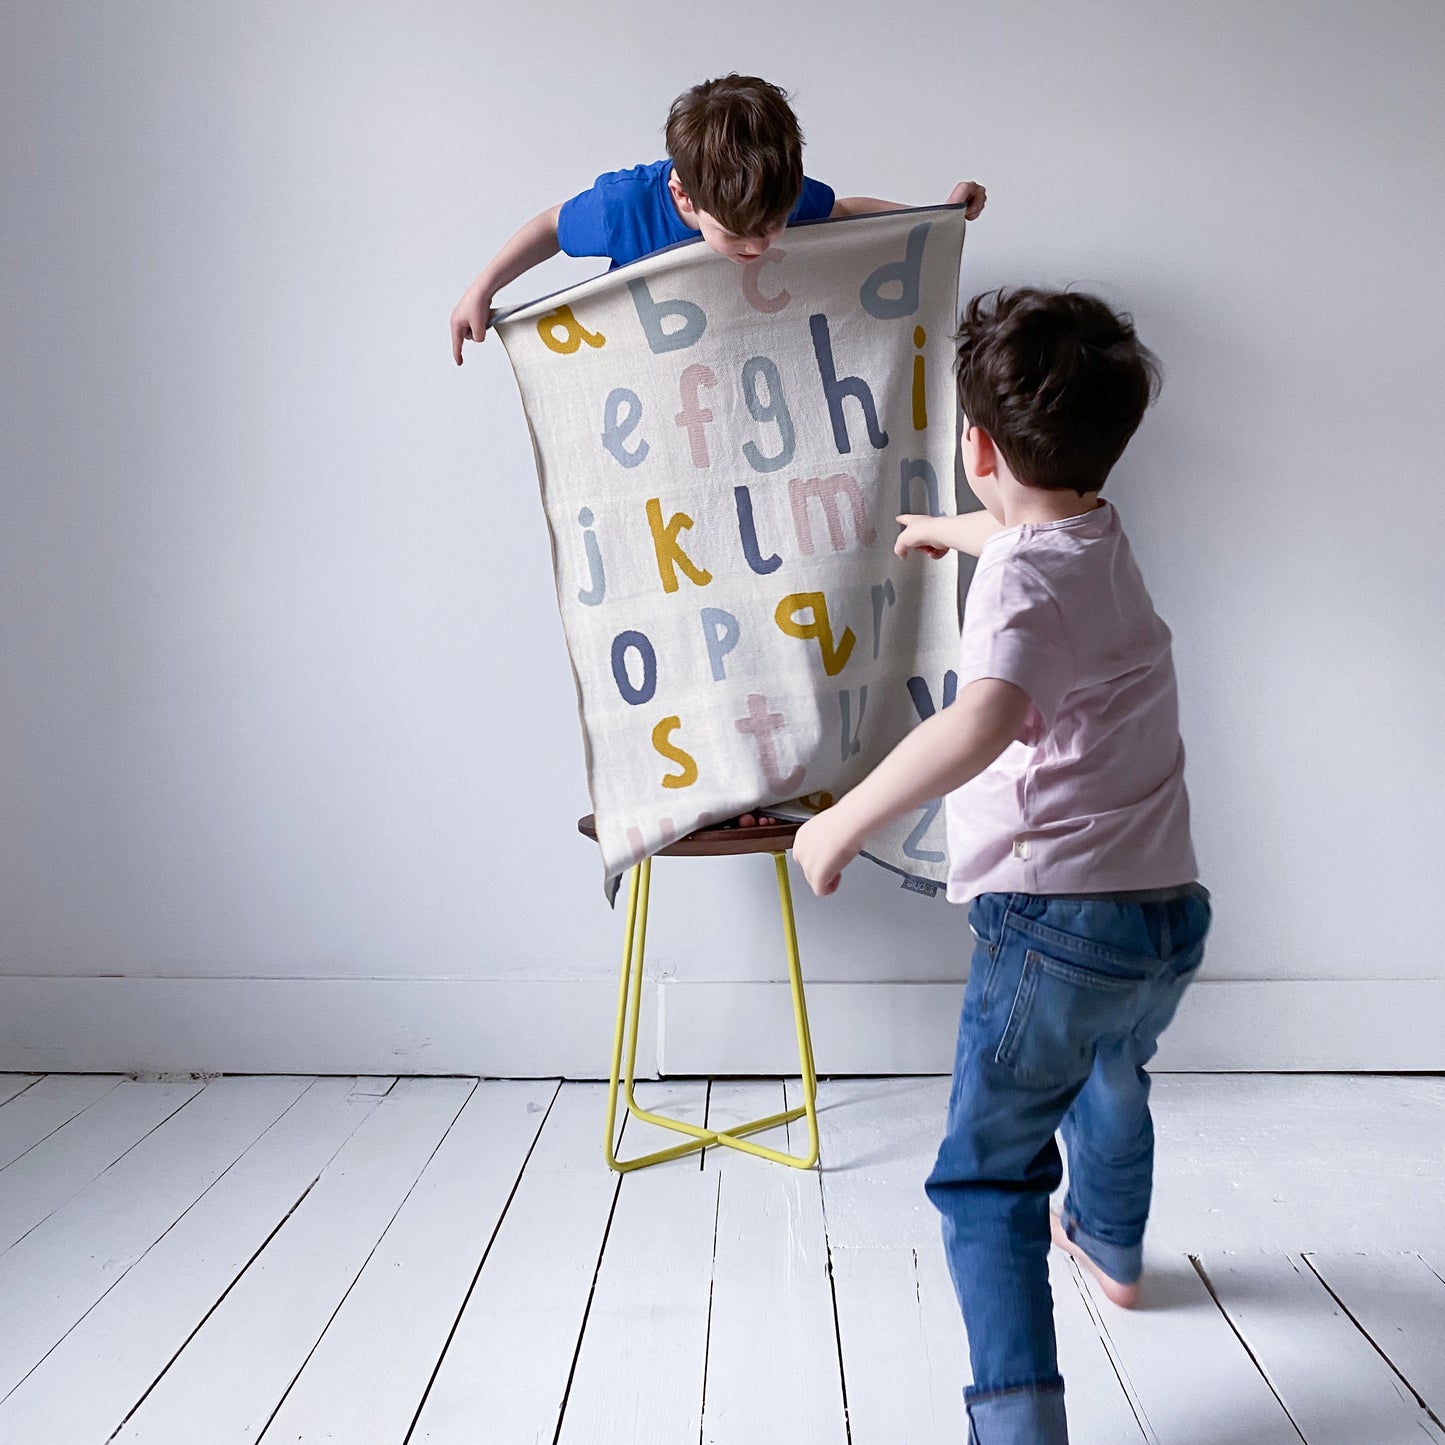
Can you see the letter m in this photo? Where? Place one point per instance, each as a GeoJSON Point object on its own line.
{"type": "Point", "coordinates": [828, 491]}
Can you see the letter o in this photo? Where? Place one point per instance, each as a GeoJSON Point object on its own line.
{"type": "Point", "coordinates": [621, 645]}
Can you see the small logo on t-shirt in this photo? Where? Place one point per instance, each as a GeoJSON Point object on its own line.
{"type": "Point", "coordinates": [1021, 849]}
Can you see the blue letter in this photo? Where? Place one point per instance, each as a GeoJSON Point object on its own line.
{"type": "Point", "coordinates": [691, 318]}
{"type": "Point", "coordinates": [923, 699]}
{"type": "Point", "coordinates": [775, 408]}
{"type": "Point", "coordinates": [620, 645]}
{"type": "Point", "coordinates": [852, 745]}
{"type": "Point", "coordinates": [913, 844]}
{"type": "Point", "coordinates": [591, 596]}
{"type": "Point", "coordinates": [616, 428]}
{"type": "Point", "coordinates": [836, 390]}
{"type": "Point", "coordinates": [903, 274]}
{"type": "Point", "coordinates": [747, 529]}
{"type": "Point", "coordinates": [722, 632]}
{"type": "Point", "coordinates": [883, 595]}
{"type": "Point", "coordinates": [907, 472]}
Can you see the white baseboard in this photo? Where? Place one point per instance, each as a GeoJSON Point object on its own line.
{"type": "Point", "coordinates": [544, 1028]}
{"type": "Point", "coordinates": [1286, 1026]}
{"type": "Point", "coordinates": [496, 1028]}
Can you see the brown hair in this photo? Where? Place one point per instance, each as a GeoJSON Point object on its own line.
{"type": "Point", "coordinates": [1058, 379]}
{"type": "Point", "coordinates": [737, 151]}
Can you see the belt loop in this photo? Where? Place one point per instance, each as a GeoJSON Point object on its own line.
{"type": "Point", "coordinates": [1008, 910]}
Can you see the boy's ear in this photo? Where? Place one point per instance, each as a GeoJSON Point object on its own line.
{"type": "Point", "coordinates": [678, 194]}
{"type": "Point", "coordinates": [979, 451]}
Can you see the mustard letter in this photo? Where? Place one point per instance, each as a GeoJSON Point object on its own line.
{"type": "Point", "coordinates": [669, 555]}
{"type": "Point", "coordinates": [674, 754]}
{"type": "Point", "coordinates": [815, 629]}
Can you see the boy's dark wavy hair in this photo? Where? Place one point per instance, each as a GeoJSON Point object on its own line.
{"type": "Point", "coordinates": [1058, 379]}
{"type": "Point", "coordinates": [737, 151]}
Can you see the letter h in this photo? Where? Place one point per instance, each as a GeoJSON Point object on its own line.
{"type": "Point", "coordinates": [836, 389]}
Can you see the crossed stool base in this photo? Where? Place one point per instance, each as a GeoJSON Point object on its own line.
{"type": "Point", "coordinates": [768, 837]}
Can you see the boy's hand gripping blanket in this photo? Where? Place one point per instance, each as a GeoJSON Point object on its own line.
{"type": "Point", "coordinates": [722, 450]}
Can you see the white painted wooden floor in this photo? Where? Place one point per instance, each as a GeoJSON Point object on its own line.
{"type": "Point", "coordinates": [443, 1260]}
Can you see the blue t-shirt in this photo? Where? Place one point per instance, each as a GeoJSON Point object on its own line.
{"type": "Point", "coordinates": [629, 214]}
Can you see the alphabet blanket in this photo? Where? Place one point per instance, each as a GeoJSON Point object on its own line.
{"type": "Point", "coordinates": [722, 449]}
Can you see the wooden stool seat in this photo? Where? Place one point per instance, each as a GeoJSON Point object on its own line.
{"type": "Point", "coordinates": [774, 836]}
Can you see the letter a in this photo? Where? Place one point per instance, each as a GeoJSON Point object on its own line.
{"type": "Point", "coordinates": [574, 333]}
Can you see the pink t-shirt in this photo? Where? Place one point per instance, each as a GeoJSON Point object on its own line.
{"type": "Point", "coordinates": [1090, 797]}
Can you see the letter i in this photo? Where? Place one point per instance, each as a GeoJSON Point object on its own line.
{"type": "Point", "coordinates": [920, 406]}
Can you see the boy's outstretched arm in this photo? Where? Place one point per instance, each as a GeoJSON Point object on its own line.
{"type": "Point", "coordinates": [968, 194]}
{"type": "Point", "coordinates": [939, 755]}
{"type": "Point", "coordinates": [937, 536]}
{"type": "Point", "coordinates": [531, 245]}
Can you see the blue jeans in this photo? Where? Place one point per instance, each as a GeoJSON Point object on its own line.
{"type": "Point", "coordinates": [1066, 999]}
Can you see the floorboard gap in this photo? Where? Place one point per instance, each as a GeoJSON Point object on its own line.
{"type": "Point", "coordinates": [1208, 1284]}
{"type": "Point", "coordinates": [346, 1293]}
{"type": "Point", "coordinates": [1374, 1343]}
{"type": "Point", "coordinates": [1111, 1353]}
{"type": "Point", "coordinates": [832, 1282]}
{"type": "Point", "coordinates": [466, 1299]}
{"type": "Point", "coordinates": [200, 1324]}
{"type": "Point", "coordinates": [172, 1225]}
{"type": "Point", "coordinates": [587, 1310]}
{"type": "Point", "coordinates": [711, 1285]}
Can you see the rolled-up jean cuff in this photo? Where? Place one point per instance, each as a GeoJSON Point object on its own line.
{"type": "Point", "coordinates": [1121, 1262]}
{"type": "Point", "coordinates": [1024, 1415]}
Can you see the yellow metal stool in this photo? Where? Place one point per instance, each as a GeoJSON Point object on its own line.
{"type": "Point", "coordinates": [773, 837]}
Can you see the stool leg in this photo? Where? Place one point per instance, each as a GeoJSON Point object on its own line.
{"type": "Point", "coordinates": [733, 1138]}
{"type": "Point", "coordinates": [800, 1008]}
{"type": "Point", "coordinates": [623, 989]}
{"type": "Point", "coordinates": [625, 1037]}
{"type": "Point", "coordinates": [639, 957]}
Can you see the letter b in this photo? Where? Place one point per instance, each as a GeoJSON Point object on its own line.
{"type": "Point", "coordinates": [689, 316]}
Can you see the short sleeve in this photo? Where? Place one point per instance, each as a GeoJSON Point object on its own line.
{"type": "Point", "coordinates": [815, 204]}
{"type": "Point", "coordinates": [1013, 630]}
{"type": "Point", "coordinates": [582, 224]}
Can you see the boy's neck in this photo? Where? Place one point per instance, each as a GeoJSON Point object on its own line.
{"type": "Point", "coordinates": [1034, 505]}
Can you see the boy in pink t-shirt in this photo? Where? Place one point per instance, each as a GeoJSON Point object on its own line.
{"type": "Point", "coordinates": [1068, 836]}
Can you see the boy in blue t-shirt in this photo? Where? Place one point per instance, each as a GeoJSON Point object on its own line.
{"type": "Point", "coordinates": [734, 173]}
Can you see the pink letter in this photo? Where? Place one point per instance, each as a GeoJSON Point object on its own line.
{"type": "Point", "coordinates": [761, 725]}
{"type": "Point", "coordinates": [692, 416]}
{"type": "Point", "coordinates": [752, 295]}
{"type": "Point", "coordinates": [827, 490]}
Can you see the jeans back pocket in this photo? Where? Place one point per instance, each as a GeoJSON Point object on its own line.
{"type": "Point", "coordinates": [1060, 1013]}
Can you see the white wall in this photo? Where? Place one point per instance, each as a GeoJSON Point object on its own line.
{"type": "Point", "coordinates": [273, 572]}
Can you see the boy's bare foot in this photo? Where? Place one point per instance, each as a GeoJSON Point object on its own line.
{"type": "Point", "coordinates": [1126, 1296]}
